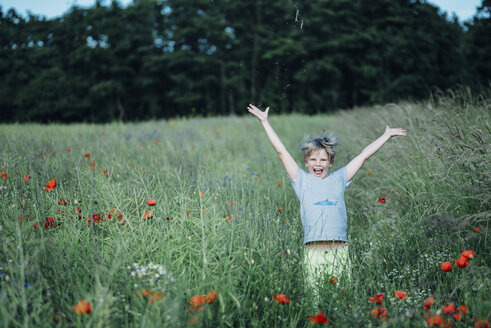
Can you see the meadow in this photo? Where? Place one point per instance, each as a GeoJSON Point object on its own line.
{"type": "Point", "coordinates": [224, 239]}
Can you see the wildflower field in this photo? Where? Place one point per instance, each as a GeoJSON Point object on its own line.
{"type": "Point", "coordinates": [193, 222]}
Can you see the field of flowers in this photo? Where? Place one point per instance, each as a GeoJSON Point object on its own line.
{"type": "Point", "coordinates": [193, 222]}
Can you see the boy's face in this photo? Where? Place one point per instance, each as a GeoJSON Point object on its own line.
{"type": "Point", "coordinates": [318, 163]}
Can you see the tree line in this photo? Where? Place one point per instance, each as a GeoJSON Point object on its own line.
{"type": "Point", "coordinates": [169, 58]}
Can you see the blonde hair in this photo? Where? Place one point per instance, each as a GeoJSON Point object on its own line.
{"type": "Point", "coordinates": [327, 143]}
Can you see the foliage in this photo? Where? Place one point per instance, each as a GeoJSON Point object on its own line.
{"type": "Point", "coordinates": [223, 246]}
{"type": "Point", "coordinates": [167, 58]}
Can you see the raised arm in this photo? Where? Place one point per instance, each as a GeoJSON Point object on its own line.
{"type": "Point", "coordinates": [356, 163]}
{"type": "Point", "coordinates": [285, 157]}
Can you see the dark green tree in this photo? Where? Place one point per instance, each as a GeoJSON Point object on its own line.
{"type": "Point", "coordinates": [478, 45]}
{"type": "Point", "coordinates": [164, 58]}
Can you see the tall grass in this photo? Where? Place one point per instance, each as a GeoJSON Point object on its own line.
{"type": "Point", "coordinates": [227, 220]}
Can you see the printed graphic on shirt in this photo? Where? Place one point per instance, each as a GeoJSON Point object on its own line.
{"type": "Point", "coordinates": [326, 202]}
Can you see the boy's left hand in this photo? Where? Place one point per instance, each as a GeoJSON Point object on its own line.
{"type": "Point", "coordinates": [394, 131]}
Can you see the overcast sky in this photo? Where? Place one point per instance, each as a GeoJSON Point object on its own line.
{"type": "Point", "coordinates": [49, 8]}
{"type": "Point", "coordinates": [464, 9]}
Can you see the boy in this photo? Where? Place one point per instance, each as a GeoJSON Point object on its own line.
{"type": "Point", "coordinates": [321, 196]}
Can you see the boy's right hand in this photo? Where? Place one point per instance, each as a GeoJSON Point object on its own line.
{"type": "Point", "coordinates": [286, 159]}
{"type": "Point", "coordinates": [261, 116]}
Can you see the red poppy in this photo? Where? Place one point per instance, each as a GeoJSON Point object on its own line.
{"type": "Point", "coordinates": [428, 302]}
{"type": "Point", "coordinates": [435, 321]}
{"type": "Point", "coordinates": [281, 299]}
{"type": "Point", "coordinates": [68, 149]}
{"type": "Point", "coordinates": [82, 307]}
{"type": "Point", "coordinates": [4, 175]}
{"type": "Point", "coordinates": [333, 280]}
{"type": "Point", "coordinates": [377, 298]}
{"type": "Point", "coordinates": [477, 229]}
{"type": "Point", "coordinates": [114, 211]}
{"type": "Point", "coordinates": [381, 200]}
{"type": "Point", "coordinates": [210, 297]}
{"type": "Point", "coordinates": [26, 178]}
{"type": "Point", "coordinates": [229, 217]}
{"type": "Point", "coordinates": [104, 171]}
{"type": "Point", "coordinates": [145, 292]}
{"type": "Point", "coordinates": [400, 294]}
{"type": "Point", "coordinates": [448, 309]}
{"type": "Point", "coordinates": [469, 254]}
{"type": "Point", "coordinates": [280, 208]}
{"type": "Point", "coordinates": [457, 316]}
{"type": "Point", "coordinates": [62, 202]}
{"type": "Point", "coordinates": [484, 323]}
{"type": "Point", "coordinates": [22, 216]}
{"type": "Point", "coordinates": [462, 309]}
{"type": "Point", "coordinates": [156, 297]}
{"type": "Point", "coordinates": [92, 165]}
{"type": "Point", "coordinates": [87, 155]}
{"type": "Point", "coordinates": [97, 218]}
{"type": "Point", "coordinates": [51, 153]}
{"type": "Point", "coordinates": [48, 223]}
{"type": "Point", "coordinates": [157, 141]}
{"type": "Point", "coordinates": [197, 300]}
{"type": "Point", "coordinates": [446, 266]}
{"type": "Point", "coordinates": [461, 262]}
{"type": "Point", "coordinates": [319, 318]}
{"type": "Point", "coordinates": [380, 312]}
{"type": "Point", "coordinates": [279, 185]}
{"type": "Point", "coordinates": [51, 185]}
{"type": "Point", "coordinates": [149, 294]}
{"type": "Point", "coordinates": [148, 215]}
{"type": "Point", "coordinates": [202, 194]}
{"type": "Point", "coordinates": [151, 202]}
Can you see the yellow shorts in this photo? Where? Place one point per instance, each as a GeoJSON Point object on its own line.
{"type": "Point", "coordinates": [322, 266]}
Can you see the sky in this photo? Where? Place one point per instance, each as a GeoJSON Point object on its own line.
{"type": "Point", "coordinates": [464, 9]}
{"type": "Point", "coordinates": [49, 8]}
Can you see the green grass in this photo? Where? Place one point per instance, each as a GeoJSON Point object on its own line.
{"type": "Point", "coordinates": [436, 182]}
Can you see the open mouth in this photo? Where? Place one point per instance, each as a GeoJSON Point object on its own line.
{"type": "Point", "coordinates": [318, 172]}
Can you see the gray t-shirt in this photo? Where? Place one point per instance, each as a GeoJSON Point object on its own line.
{"type": "Point", "coordinates": [322, 206]}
